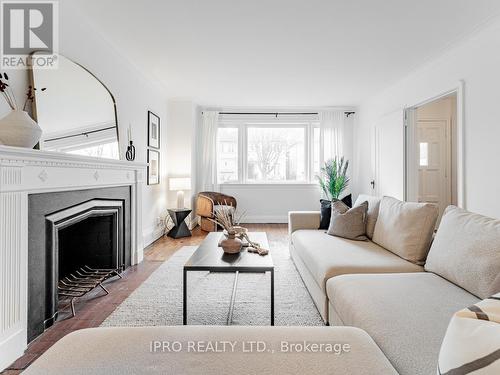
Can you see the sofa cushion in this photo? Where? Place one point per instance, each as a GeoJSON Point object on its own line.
{"type": "Point", "coordinates": [302, 220]}
{"type": "Point", "coordinates": [406, 314]}
{"type": "Point", "coordinates": [472, 340]}
{"type": "Point", "coordinates": [127, 350]}
{"type": "Point", "coordinates": [406, 228]}
{"type": "Point", "coordinates": [466, 251]}
{"type": "Point", "coordinates": [327, 256]}
{"type": "Point", "coordinates": [348, 223]}
{"type": "Point", "coordinates": [372, 214]}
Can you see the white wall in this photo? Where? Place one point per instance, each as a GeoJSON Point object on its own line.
{"type": "Point", "coordinates": [475, 60]}
{"type": "Point", "coordinates": [271, 203]}
{"type": "Point", "coordinates": [180, 140]}
{"type": "Point", "coordinates": [134, 94]}
{"type": "Point", "coordinates": [182, 117]}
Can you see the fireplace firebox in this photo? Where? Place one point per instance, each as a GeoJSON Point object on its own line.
{"type": "Point", "coordinates": [92, 241]}
{"type": "Point", "coordinates": [82, 237]}
{"type": "Point", "coordinates": [85, 242]}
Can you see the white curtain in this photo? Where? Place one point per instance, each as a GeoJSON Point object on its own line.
{"type": "Point", "coordinates": [332, 125]}
{"type": "Point", "coordinates": [207, 157]}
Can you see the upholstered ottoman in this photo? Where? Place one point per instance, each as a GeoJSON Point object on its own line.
{"type": "Point", "coordinates": [214, 350]}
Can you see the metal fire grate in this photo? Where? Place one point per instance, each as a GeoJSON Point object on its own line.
{"type": "Point", "coordinates": [82, 281]}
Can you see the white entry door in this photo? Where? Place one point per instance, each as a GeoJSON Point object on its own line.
{"type": "Point", "coordinates": [434, 162]}
{"type": "Point", "coordinates": [389, 155]}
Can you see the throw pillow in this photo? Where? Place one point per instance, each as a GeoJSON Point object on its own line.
{"type": "Point", "coordinates": [348, 223]}
{"type": "Point", "coordinates": [406, 228]}
{"type": "Point", "coordinates": [326, 210]}
{"type": "Point", "coordinates": [472, 340]}
{"type": "Point", "coordinates": [466, 251]}
{"type": "Point", "coordinates": [347, 200]}
{"type": "Point", "coordinates": [372, 215]}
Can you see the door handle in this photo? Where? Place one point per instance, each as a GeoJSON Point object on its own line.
{"type": "Point", "coordinates": [372, 183]}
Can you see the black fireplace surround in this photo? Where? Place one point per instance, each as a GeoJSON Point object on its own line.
{"type": "Point", "coordinates": [68, 230]}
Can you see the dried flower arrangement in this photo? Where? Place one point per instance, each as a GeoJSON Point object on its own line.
{"type": "Point", "coordinates": [10, 98]}
{"type": "Point", "coordinates": [227, 218]}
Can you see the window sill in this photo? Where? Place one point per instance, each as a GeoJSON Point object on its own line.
{"type": "Point", "coordinates": [269, 184]}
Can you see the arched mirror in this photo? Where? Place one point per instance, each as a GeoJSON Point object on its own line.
{"type": "Point", "coordinates": [76, 112]}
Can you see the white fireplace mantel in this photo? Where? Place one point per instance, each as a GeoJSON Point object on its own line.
{"type": "Point", "coordinates": [24, 172]}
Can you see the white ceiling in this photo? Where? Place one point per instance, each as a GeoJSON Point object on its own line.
{"type": "Point", "coordinates": [283, 52]}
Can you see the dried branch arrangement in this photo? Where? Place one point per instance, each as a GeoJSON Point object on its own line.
{"type": "Point", "coordinates": [7, 92]}
{"type": "Point", "coordinates": [30, 96]}
{"type": "Point", "coordinates": [10, 98]}
{"type": "Point", "coordinates": [227, 218]}
{"type": "Point", "coordinates": [254, 247]}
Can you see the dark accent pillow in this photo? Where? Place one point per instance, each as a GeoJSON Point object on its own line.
{"type": "Point", "coordinates": [326, 210]}
{"type": "Point", "coordinates": [347, 200]}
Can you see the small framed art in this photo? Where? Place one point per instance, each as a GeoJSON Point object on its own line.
{"type": "Point", "coordinates": [153, 167]}
{"type": "Point", "coordinates": [153, 130]}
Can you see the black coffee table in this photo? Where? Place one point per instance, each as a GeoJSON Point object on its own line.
{"type": "Point", "coordinates": [210, 257]}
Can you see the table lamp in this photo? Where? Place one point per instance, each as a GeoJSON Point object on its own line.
{"type": "Point", "coordinates": [179, 184]}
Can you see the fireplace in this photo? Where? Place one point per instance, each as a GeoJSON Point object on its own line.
{"type": "Point", "coordinates": [33, 185]}
{"type": "Point", "coordinates": [85, 236]}
{"type": "Point", "coordinates": [71, 233]}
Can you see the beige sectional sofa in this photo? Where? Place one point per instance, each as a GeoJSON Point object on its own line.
{"type": "Point", "coordinates": [406, 314]}
{"type": "Point", "coordinates": [319, 257]}
{"type": "Point", "coordinates": [127, 350]}
{"type": "Point", "coordinates": [403, 306]}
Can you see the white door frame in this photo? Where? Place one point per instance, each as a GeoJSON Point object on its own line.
{"type": "Point", "coordinates": [410, 128]}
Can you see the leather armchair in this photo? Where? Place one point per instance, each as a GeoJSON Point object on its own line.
{"type": "Point", "coordinates": [206, 205]}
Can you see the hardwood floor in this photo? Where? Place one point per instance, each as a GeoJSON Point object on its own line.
{"type": "Point", "coordinates": [92, 310]}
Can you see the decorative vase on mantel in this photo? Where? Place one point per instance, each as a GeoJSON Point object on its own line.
{"type": "Point", "coordinates": [19, 129]}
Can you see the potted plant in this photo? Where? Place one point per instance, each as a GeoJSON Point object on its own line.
{"type": "Point", "coordinates": [18, 128]}
{"type": "Point", "coordinates": [333, 178]}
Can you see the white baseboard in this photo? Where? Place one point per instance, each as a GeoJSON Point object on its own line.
{"type": "Point", "coordinates": [12, 348]}
{"type": "Point", "coordinates": [194, 222]}
{"type": "Point", "coordinates": [151, 235]}
{"type": "Point", "coordinates": [265, 219]}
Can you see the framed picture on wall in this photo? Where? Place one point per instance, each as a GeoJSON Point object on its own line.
{"type": "Point", "coordinates": [153, 167]}
{"type": "Point", "coordinates": [153, 130]}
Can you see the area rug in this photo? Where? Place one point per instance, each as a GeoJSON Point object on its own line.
{"type": "Point", "coordinates": [158, 301]}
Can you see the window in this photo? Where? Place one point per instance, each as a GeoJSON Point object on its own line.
{"type": "Point", "coordinates": [265, 149]}
{"type": "Point", "coordinates": [424, 154]}
{"type": "Point", "coordinates": [275, 154]}
{"type": "Point", "coordinates": [227, 155]}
